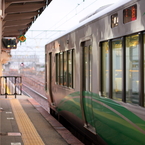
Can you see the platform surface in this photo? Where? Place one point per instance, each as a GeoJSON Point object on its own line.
{"type": "Point", "coordinates": [24, 122]}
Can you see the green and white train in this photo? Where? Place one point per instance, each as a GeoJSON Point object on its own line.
{"type": "Point", "coordinates": [95, 75]}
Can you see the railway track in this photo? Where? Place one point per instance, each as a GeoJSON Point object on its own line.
{"type": "Point", "coordinates": [27, 90]}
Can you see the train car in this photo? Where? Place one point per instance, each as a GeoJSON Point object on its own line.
{"type": "Point", "coordinates": [94, 75]}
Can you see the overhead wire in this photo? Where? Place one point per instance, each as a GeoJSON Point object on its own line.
{"type": "Point", "coordinates": [79, 4]}
{"type": "Point", "coordinates": [62, 18]}
{"type": "Point", "coordinates": [72, 16]}
{"type": "Point", "coordinates": [58, 22]}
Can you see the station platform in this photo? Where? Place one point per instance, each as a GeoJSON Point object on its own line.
{"type": "Point", "coordinates": [24, 122]}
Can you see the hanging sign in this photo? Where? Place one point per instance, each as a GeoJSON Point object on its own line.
{"type": "Point", "coordinates": [22, 38]}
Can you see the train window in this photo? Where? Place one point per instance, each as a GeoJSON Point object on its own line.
{"type": "Point", "coordinates": [70, 68]}
{"type": "Point", "coordinates": [90, 65]}
{"type": "Point", "coordinates": [132, 69]}
{"type": "Point", "coordinates": [117, 69]}
{"type": "Point", "coordinates": [65, 69]}
{"type": "Point", "coordinates": [130, 14]}
{"type": "Point", "coordinates": [87, 67]}
{"type": "Point", "coordinates": [114, 20]}
{"type": "Point", "coordinates": [46, 79]}
{"type": "Point", "coordinates": [57, 68]}
{"type": "Point", "coordinates": [124, 59]}
{"type": "Point", "coordinates": [61, 69]}
{"type": "Point", "coordinates": [105, 69]}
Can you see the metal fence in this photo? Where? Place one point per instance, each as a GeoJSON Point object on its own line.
{"type": "Point", "coordinates": [10, 85]}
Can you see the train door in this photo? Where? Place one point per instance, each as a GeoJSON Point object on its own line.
{"type": "Point", "coordinates": [86, 84]}
{"type": "Point", "coordinates": [50, 76]}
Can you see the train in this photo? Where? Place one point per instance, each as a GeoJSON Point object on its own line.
{"type": "Point", "coordinates": [94, 75]}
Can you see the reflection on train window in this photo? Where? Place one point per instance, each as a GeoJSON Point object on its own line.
{"type": "Point", "coordinates": [117, 68]}
{"type": "Point", "coordinates": [105, 68]}
{"type": "Point", "coordinates": [61, 69]}
{"type": "Point", "coordinates": [70, 68]}
{"type": "Point", "coordinates": [132, 69]}
{"type": "Point", "coordinates": [90, 65]}
{"type": "Point", "coordinates": [114, 20]}
{"type": "Point", "coordinates": [64, 68]}
{"type": "Point", "coordinates": [87, 53]}
{"type": "Point", "coordinates": [130, 14]}
{"type": "Point", "coordinates": [46, 74]}
{"type": "Point", "coordinates": [57, 68]}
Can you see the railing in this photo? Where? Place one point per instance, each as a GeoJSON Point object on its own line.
{"type": "Point", "coordinates": [10, 85]}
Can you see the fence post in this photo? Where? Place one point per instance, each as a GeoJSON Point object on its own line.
{"type": "Point", "coordinates": [15, 87]}
{"type": "Point", "coordinates": [5, 87]}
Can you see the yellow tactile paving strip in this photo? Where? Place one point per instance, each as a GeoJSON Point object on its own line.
{"type": "Point", "coordinates": [30, 135]}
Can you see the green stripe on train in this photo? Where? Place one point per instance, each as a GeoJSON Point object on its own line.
{"type": "Point", "coordinates": [114, 123]}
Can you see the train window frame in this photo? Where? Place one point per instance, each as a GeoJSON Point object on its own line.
{"type": "Point", "coordinates": [64, 70]}
{"type": "Point", "coordinates": [114, 20]}
{"type": "Point", "coordinates": [46, 70]}
{"type": "Point", "coordinates": [131, 68]}
{"type": "Point", "coordinates": [86, 65]}
{"type": "Point", "coordinates": [103, 87]}
{"type": "Point", "coordinates": [133, 14]}
{"type": "Point", "coordinates": [117, 68]}
{"type": "Point", "coordinates": [139, 43]}
{"type": "Point", "coordinates": [61, 68]}
{"type": "Point", "coordinates": [57, 68]}
{"type": "Point", "coordinates": [70, 85]}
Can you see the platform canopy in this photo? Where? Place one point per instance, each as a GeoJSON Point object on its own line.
{"type": "Point", "coordinates": [19, 15]}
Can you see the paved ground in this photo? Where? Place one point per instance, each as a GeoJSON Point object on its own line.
{"type": "Point", "coordinates": [24, 122]}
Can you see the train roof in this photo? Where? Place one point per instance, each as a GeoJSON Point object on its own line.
{"type": "Point", "coordinates": [95, 16]}
{"type": "Point", "coordinates": [98, 10]}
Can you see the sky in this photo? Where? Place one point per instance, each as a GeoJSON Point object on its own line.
{"type": "Point", "coordinates": [64, 14]}
{"type": "Point", "coordinates": [59, 16]}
